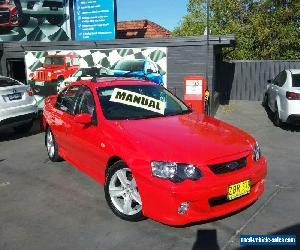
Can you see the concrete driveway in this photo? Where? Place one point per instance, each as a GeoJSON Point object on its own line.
{"type": "Point", "coordinates": [45, 205]}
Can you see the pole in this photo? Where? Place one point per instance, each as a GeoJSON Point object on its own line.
{"type": "Point", "coordinates": [207, 51]}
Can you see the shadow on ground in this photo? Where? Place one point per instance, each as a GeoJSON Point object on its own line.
{"type": "Point", "coordinates": [10, 134]}
{"type": "Point", "coordinates": [285, 126]}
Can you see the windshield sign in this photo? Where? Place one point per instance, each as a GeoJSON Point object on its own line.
{"type": "Point", "coordinates": [138, 100]}
{"type": "Point", "coordinates": [132, 102]}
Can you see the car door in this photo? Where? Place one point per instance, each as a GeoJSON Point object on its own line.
{"type": "Point", "coordinates": [272, 91]}
{"type": "Point", "coordinates": [63, 115]}
{"type": "Point", "coordinates": [85, 140]}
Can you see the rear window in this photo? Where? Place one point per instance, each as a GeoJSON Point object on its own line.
{"type": "Point", "coordinates": [296, 80]}
{"type": "Point", "coordinates": [6, 82]}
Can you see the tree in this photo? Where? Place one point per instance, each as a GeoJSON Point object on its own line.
{"type": "Point", "coordinates": [264, 29]}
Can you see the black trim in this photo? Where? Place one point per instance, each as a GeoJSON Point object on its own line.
{"type": "Point", "coordinates": [293, 119]}
{"type": "Point", "coordinates": [227, 167]}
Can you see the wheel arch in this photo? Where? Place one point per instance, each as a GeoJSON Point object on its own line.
{"type": "Point", "coordinates": [111, 161]}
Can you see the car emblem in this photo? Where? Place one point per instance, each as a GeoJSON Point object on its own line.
{"type": "Point", "coordinates": [232, 165]}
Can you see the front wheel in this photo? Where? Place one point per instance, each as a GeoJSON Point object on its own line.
{"type": "Point", "coordinates": [122, 194]}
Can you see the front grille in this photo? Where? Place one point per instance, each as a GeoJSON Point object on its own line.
{"type": "Point", "coordinates": [51, 4]}
{"type": "Point", "coordinates": [41, 76]}
{"type": "Point", "coordinates": [228, 166]}
{"type": "Point", "coordinates": [4, 15]}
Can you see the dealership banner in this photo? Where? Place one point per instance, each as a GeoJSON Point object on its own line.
{"type": "Point", "coordinates": [39, 20]}
{"type": "Point", "coordinates": [50, 71]}
{"type": "Point", "coordinates": [94, 19]}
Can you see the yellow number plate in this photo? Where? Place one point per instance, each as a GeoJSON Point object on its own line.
{"type": "Point", "coordinates": [238, 189]}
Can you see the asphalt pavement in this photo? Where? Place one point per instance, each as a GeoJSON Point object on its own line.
{"type": "Point", "coordinates": [45, 205]}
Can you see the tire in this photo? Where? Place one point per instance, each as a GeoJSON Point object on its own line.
{"type": "Point", "coordinates": [56, 20]}
{"type": "Point", "coordinates": [51, 145]}
{"type": "Point", "coordinates": [122, 194]}
{"type": "Point", "coordinates": [23, 20]}
{"type": "Point", "coordinates": [276, 119]}
{"type": "Point", "coordinates": [24, 128]}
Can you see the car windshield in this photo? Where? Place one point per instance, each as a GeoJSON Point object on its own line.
{"type": "Point", "coordinates": [54, 61]}
{"type": "Point", "coordinates": [132, 102]}
{"type": "Point", "coordinates": [6, 82]}
{"type": "Point", "coordinates": [130, 65]}
{"type": "Point", "coordinates": [296, 80]}
{"type": "Point", "coordinates": [85, 72]}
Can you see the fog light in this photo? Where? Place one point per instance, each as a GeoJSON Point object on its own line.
{"type": "Point", "coordinates": [183, 207]}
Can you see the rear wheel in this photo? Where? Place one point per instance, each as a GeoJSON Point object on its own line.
{"type": "Point", "coordinates": [51, 146]}
{"type": "Point", "coordinates": [121, 193]}
{"type": "Point", "coordinates": [24, 128]}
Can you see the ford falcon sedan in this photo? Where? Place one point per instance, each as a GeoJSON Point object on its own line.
{"type": "Point", "coordinates": [155, 156]}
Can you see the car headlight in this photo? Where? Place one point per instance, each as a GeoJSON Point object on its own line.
{"type": "Point", "coordinates": [256, 152]}
{"type": "Point", "coordinates": [176, 172]}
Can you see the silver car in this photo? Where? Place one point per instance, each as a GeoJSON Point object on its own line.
{"type": "Point", "coordinates": [18, 107]}
{"type": "Point", "coordinates": [283, 97]}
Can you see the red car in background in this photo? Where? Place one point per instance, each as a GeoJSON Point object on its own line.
{"type": "Point", "coordinates": [47, 79]}
{"type": "Point", "coordinates": [155, 156]}
{"type": "Point", "coordinates": [8, 16]}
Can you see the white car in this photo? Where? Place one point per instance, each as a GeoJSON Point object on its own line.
{"type": "Point", "coordinates": [283, 97]}
{"type": "Point", "coordinates": [84, 74]}
{"type": "Point", "coordinates": [18, 107]}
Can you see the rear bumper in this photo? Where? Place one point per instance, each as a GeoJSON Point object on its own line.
{"type": "Point", "coordinates": [17, 120]}
{"type": "Point", "coordinates": [293, 119]}
{"type": "Point", "coordinates": [290, 112]}
{"type": "Point", "coordinates": [206, 197]}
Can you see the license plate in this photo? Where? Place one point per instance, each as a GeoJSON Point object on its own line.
{"type": "Point", "coordinates": [15, 96]}
{"type": "Point", "coordinates": [39, 83]}
{"type": "Point", "coordinates": [238, 189]}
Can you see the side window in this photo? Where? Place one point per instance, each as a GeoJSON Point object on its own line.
{"type": "Point", "coordinates": [66, 100]}
{"type": "Point", "coordinates": [86, 104]}
{"type": "Point", "coordinates": [280, 79]}
{"type": "Point", "coordinates": [68, 61]}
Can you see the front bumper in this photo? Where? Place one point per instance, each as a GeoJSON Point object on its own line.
{"type": "Point", "coordinates": [206, 197]}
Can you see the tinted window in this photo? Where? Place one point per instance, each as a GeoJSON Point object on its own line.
{"type": "Point", "coordinates": [120, 111]}
{"type": "Point", "coordinates": [85, 72]}
{"type": "Point", "coordinates": [6, 82]}
{"type": "Point", "coordinates": [296, 80]}
{"type": "Point", "coordinates": [130, 65]}
{"type": "Point", "coordinates": [86, 104]}
{"type": "Point", "coordinates": [66, 100]}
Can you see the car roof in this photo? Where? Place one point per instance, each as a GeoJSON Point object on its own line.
{"type": "Point", "coordinates": [113, 81]}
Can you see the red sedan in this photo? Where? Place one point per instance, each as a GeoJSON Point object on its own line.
{"type": "Point", "coordinates": [155, 156]}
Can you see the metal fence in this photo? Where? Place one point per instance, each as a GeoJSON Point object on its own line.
{"type": "Point", "coordinates": [247, 80]}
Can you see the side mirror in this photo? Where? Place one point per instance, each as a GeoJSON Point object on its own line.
{"type": "Point", "coordinates": [84, 119]}
{"type": "Point", "coordinates": [269, 81]}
